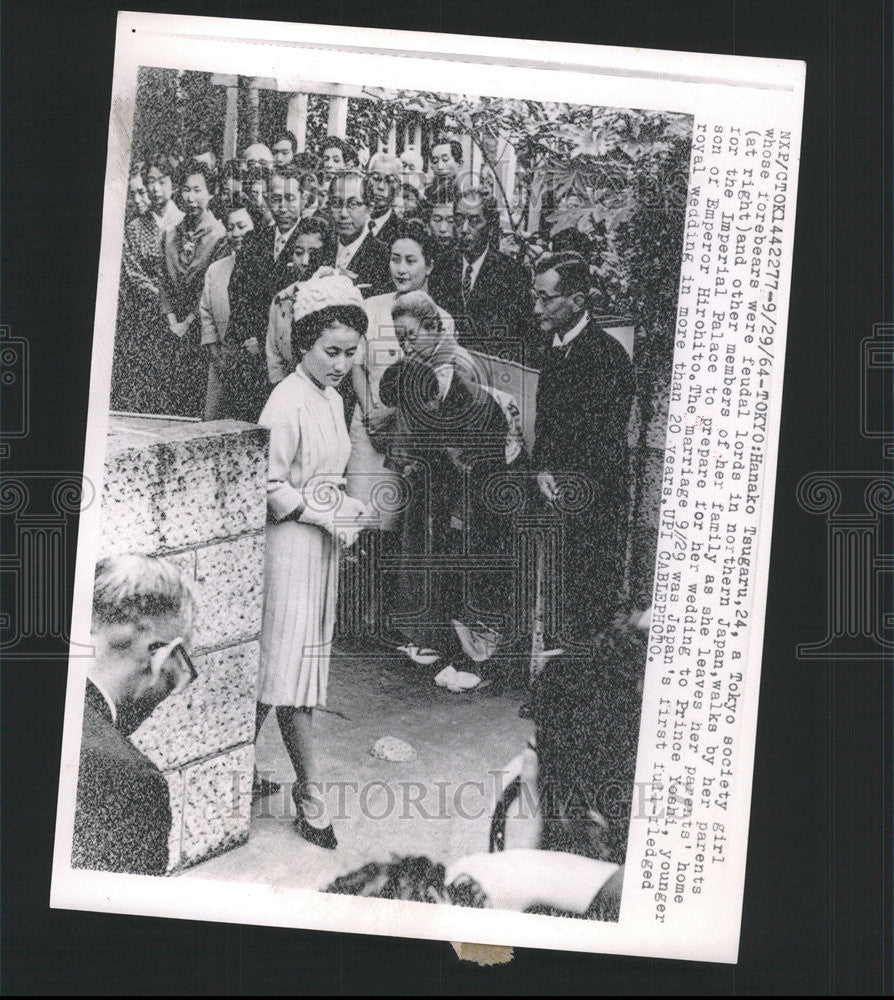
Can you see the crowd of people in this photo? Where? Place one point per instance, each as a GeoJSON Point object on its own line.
{"type": "Point", "coordinates": [355, 313]}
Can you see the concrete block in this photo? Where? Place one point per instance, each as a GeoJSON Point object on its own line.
{"type": "Point", "coordinates": [216, 804]}
{"type": "Point", "coordinates": [229, 590]}
{"type": "Point", "coordinates": [171, 485]}
{"type": "Point", "coordinates": [175, 786]}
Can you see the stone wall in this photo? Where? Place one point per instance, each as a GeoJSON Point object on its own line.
{"type": "Point", "coordinates": [196, 493]}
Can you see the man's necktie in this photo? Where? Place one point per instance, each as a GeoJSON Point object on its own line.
{"type": "Point", "coordinates": [467, 282]}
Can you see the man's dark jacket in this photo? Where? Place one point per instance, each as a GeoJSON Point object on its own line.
{"type": "Point", "coordinates": [123, 809]}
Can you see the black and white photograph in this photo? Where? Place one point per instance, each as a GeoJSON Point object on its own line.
{"type": "Point", "coordinates": [454, 318]}
{"type": "Point", "coordinates": [431, 430]}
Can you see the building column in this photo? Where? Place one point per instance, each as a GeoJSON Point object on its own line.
{"type": "Point", "coordinates": [338, 116]}
{"type": "Point", "coordinates": [296, 119]}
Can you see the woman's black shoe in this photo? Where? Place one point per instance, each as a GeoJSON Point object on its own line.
{"type": "Point", "coordinates": [318, 836]}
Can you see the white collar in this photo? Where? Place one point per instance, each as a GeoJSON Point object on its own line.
{"type": "Point", "coordinates": [346, 251]}
{"type": "Point", "coordinates": [379, 223]}
{"type": "Point", "coordinates": [170, 217]}
{"type": "Point", "coordinates": [475, 265]}
{"type": "Point", "coordinates": [280, 239]}
{"type": "Point", "coordinates": [566, 338]}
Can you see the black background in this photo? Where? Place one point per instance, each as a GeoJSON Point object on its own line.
{"type": "Point", "coordinates": [816, 893]}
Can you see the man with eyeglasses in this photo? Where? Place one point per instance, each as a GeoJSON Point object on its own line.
{"type": "Point", "coordinates": [359, 254]}
{"type": "Point", "coordinates": [584, 397]}
{"type": "Point", "coordinates": [383, 178]}
{"type": "Point", "coordinates": [142, 623]}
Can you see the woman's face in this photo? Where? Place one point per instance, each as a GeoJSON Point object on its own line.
{"type": "Point", "coordinates": [195, 195]}
{"type": "Point", "coordinates": [239, 225]}
{"type": "Point", "coordinates": [138, 194]}
{"type": "Point", "coordinates": [306, 254]}
{"type": "Point", "coordinates": [159, 187]}
{"type": "Point", "coordinates": [332, 354]}
{"type": "Point", "coordinates": [409, 268]}
{"type": "Point", "coordinates": [415, 338]}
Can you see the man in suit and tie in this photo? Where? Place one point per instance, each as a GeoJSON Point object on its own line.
{"type": "Point", "coordinates": [268, 271]}
{"type": "Point", "coordinates": [383, 179]}
{"type": "Point", "coordinates": [584, 397]}
{"type": "Point", "coordinates": [486, 292]}
{"type": "Point", "coordinates": [358, 253]}
{"type": "Point", "coordinates": [272, 253]}
{"type": "Point", "coordinates": [143, 614]}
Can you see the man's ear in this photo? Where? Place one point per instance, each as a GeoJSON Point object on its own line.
{"type": "Point", "coordinates": [580, 300]}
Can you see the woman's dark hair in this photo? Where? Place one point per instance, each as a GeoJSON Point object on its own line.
{"type": "Point", "coordinates": [165, 163]}
{"type": "Point", "coordinates": [194, 167]}
{"type": "Point", "coordinates": [242, 203]}
{"type": "Point", "coordinates": [415, 878]}
{"type": "Point", "coordinates": [308, 330]}
{"type": "Point", "coordinates": [315, 224]}
{"type": "Point", "coordinates": [417, 231]}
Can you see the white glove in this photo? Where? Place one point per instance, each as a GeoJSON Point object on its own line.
{"type": "Point", "coordinates": [328, 507]}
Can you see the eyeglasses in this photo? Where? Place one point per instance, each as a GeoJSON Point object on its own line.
{"type": "Point", "coordinates": [544, 298]}
{"type": "Point", "coordinates": [186, 671]}
{"type": "Point", "coordinates": [352, 204]}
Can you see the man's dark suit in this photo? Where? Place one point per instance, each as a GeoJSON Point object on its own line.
{"type": "Point", "coordinates": [497, 316]}
{"type": "Point", "coordinates": [123, 810]}
{"type": "Point", "coordinates": [387, 233]}
{"type": "Point", "coordinates": [250, 299]}
{"type": "Point", "coordinates": [584, 398]}
{"type": "Point", "coordinates": [370, 264]}
{"type": "Point", "coordinates": [256, 278]}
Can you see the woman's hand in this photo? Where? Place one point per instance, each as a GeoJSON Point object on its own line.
{"type": "Point", "coordinates": [352, 517]}
{"type": "Point", "coordinates": [377, 418]}
{"type": "Point", "coordinates": [180, 330]}
{"type": "Point", "coordinates": [251, 345]}
{"type": "Point", "coordinates": [548, 486]}
{"type": "Point", "coordinates": [328, 507]}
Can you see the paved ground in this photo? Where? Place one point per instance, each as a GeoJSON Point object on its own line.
{"type": "Point", "coordinates": [384, 805]}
